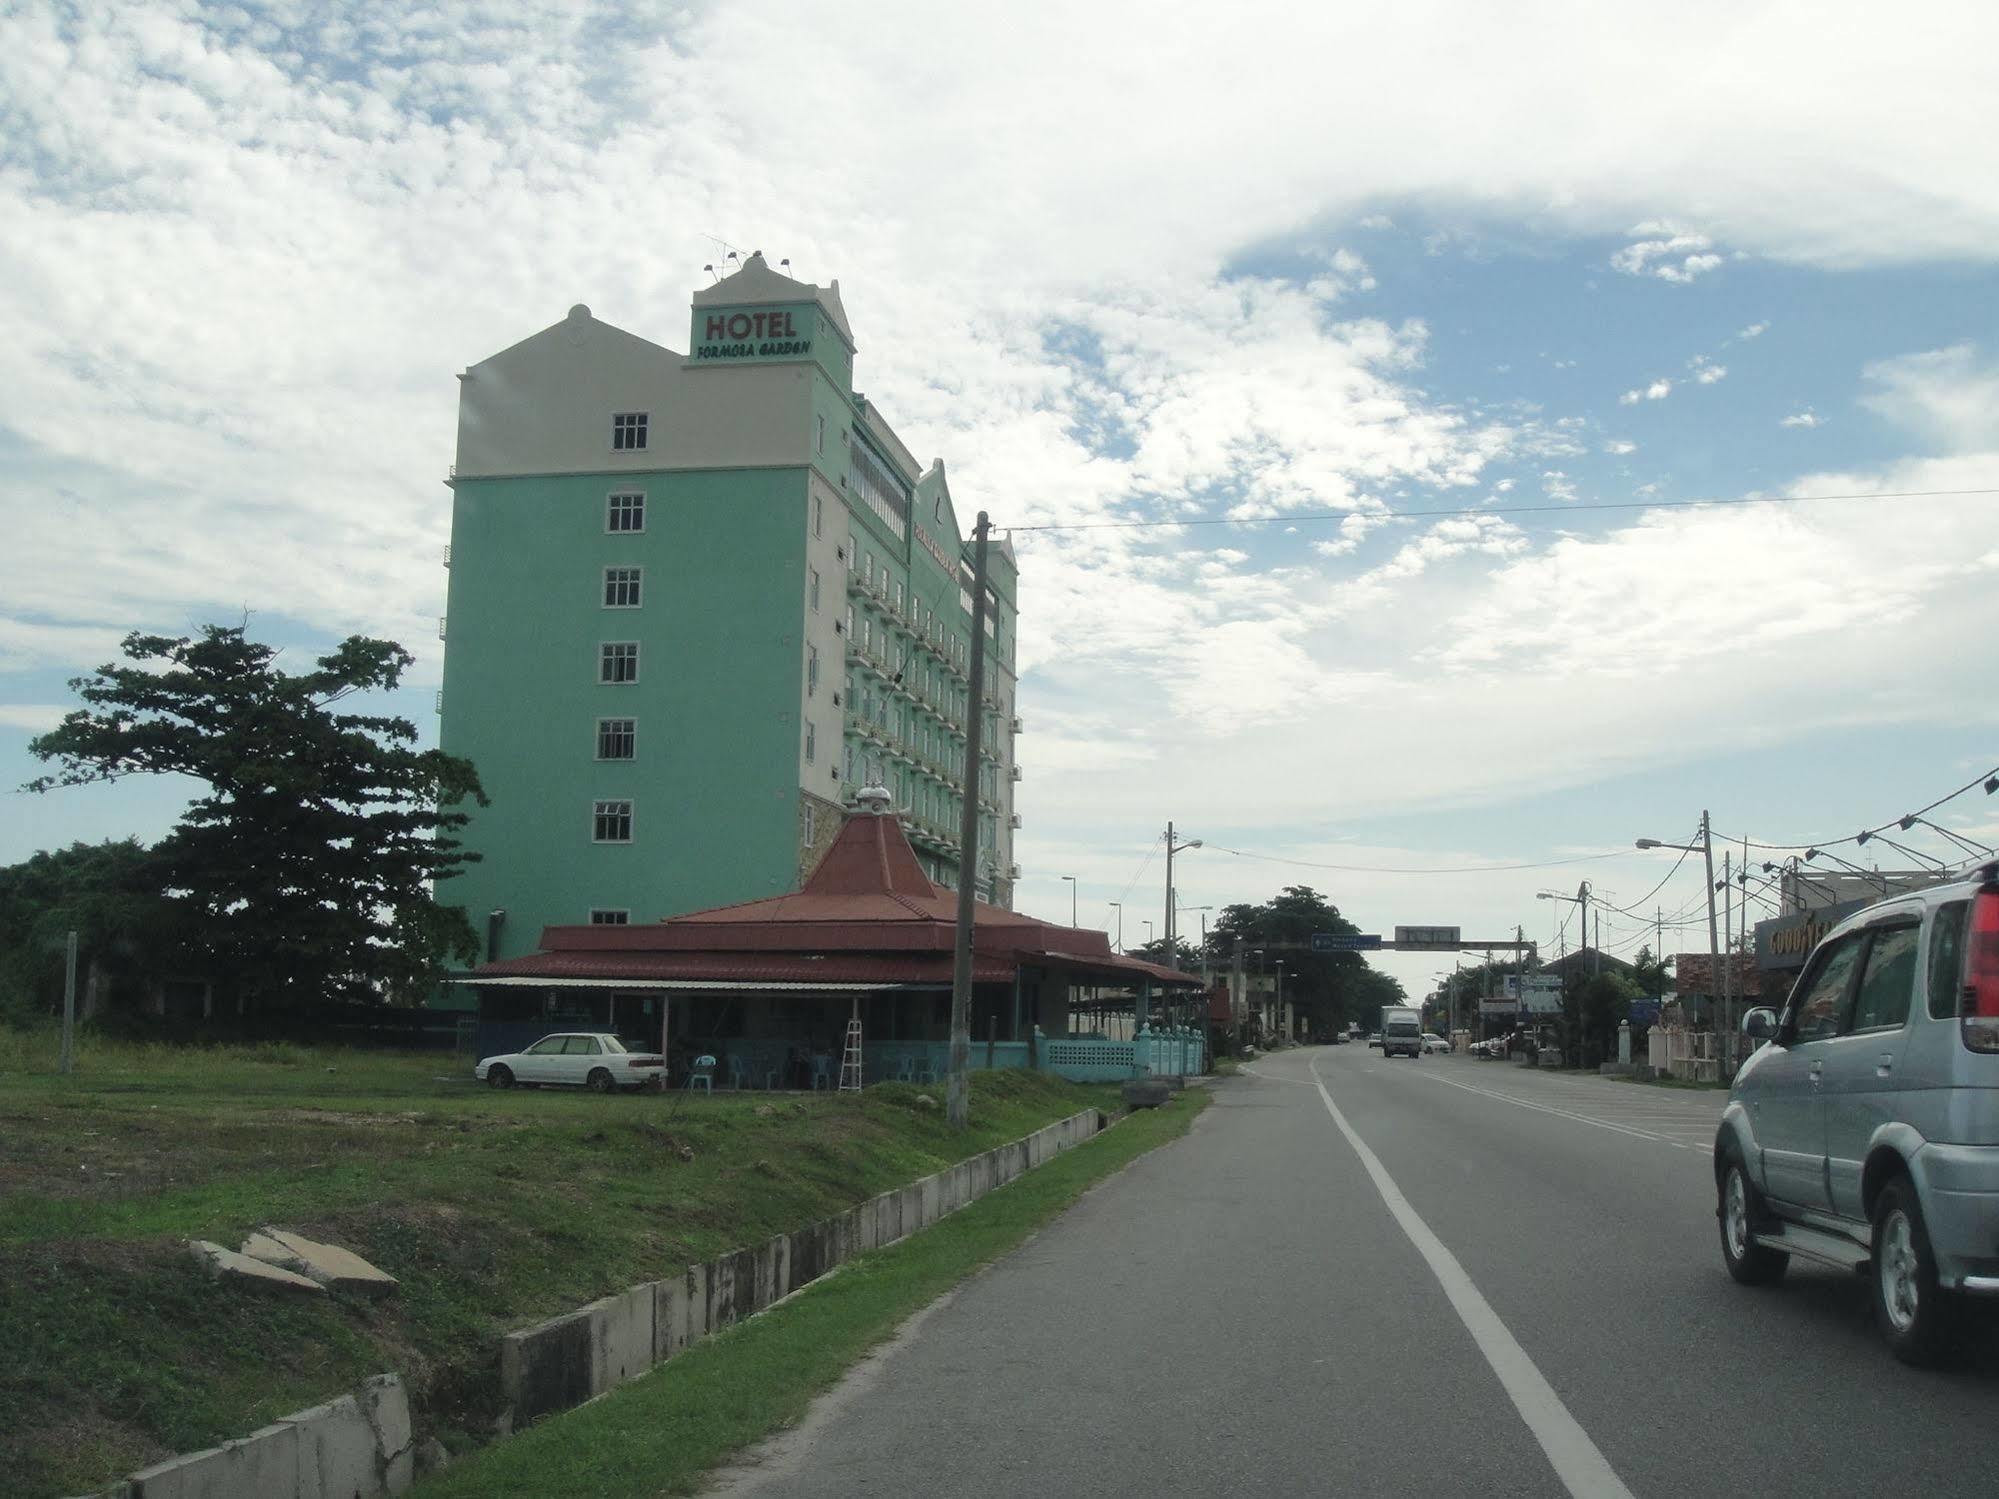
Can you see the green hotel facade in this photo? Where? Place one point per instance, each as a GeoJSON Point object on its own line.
{"type": "Point", "coordinates": [696, 602]}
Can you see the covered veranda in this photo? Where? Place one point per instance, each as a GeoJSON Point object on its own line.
{"type": "Point", "coordinates": [769, 987]}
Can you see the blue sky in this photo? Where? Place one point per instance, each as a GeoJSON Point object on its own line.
{"type": "Point", "coordinates": [1429, 258]}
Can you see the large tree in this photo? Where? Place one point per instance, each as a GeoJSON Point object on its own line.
{"type": "Point", "coordinates": [1330, 989]}
{"type": "Point", "coordinates": [306, 870]}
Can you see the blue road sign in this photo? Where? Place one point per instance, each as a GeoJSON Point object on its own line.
{"type": "Point", "coordinates": [1346, 941]}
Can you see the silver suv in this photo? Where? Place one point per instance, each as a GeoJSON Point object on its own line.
{"type": "Point", "coordinates": [1865, 1135]}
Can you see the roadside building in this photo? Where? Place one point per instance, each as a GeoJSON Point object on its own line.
{"type": "Point", "coordinates": [769, 986]}
{"type": "Point", "coordinates": [695, 600]}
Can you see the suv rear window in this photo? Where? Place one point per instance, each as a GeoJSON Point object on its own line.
{"type": "Point", "coordinates": [1946, 958]}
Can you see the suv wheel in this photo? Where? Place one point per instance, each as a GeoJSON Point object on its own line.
{"type": "Point", "coordinates": [1908, 1302]}
{"type": "Point", "coordinates": [1740, 1209]}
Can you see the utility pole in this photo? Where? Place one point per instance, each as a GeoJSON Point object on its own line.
{"type": "Point", "coordinates": [1713, 939]}
{"type": "Point", "coordinates": [69, 1003]}
{"type": "Point", "coordinates": [956, 1104]}
{"type": "Point", "coordinates": [1118, 906]}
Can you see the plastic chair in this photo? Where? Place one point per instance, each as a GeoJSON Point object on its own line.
{"type": "Point", "coordinates": [905, 1068]}
{"type": "Point", "coordinates": [701, 1073]}
{"type": "Point", "coordinates": [736, 1072]}
{"type": "Point", "coordinates": [822, 1072]}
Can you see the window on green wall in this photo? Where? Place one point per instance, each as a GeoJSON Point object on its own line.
{"type": "Point", "coordinates": [812, 589]}
{"type": "Point", "coordinates": [617, 738]}
{"type": "Point", "coordinates": [611, 822]}
{"type": "Point", "coordinates": [618, 661]}
{"type": "Point", "coordinates": [621, 587]}
{"type": "Point", "coordinates": [625, 512]}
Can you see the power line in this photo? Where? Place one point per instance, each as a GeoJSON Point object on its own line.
{"type": "Point", "coordinates": [1384, 516]}
{"type": "Point", "coordinates": [1616, 853]}
{"type": "Point", "coordinates": [1984, 778]}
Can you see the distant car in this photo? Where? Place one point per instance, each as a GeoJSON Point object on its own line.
{"type": "Point", "coordinates": [596, 1060]}
{"type": "Point", "coordinates": [1865, 1134]}
{"type": "Point", "coordinates": [1374, 1038]}
{"type": "Point", "coordinates": [1434, 1042]}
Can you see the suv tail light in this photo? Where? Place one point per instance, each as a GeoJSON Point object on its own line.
{"type": "Point", "coordinates": [1981, 974]}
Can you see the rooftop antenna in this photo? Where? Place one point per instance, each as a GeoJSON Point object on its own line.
{"type": "Point", "coordinates": [710, 269]}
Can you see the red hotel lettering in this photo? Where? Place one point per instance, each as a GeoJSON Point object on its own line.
{"type": "Point", "coordinates": [750, 325]}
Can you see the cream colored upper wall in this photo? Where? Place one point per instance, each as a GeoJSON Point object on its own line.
{"type": "Point", "coordinates": [544, 406]}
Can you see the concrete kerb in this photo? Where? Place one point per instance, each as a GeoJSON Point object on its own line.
{"type": "Point", "coordinates": [582, 1354]}
{"type": "Point", "coordinates": [355, 1447]}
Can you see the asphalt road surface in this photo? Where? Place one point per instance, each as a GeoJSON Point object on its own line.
{"type": "Point", "coordinates": [1358, 1276]}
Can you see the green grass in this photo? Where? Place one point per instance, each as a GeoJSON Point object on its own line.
{"type": "Point", "coordinates": [494, 1209]}
{"type": "Point", "coordinates": [662, 1432]}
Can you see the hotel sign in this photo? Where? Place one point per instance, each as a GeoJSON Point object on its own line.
{"type": "Point", "coordinates": [738, 334]}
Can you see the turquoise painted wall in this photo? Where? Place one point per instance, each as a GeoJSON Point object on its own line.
{"type": "Point", "coordinates": [723, 559]}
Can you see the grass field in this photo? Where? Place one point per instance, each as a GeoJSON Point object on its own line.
{"type": "Point", "coordinates": [663, 1432]}
{"type": "Point", "coordinates": [494, 1209]}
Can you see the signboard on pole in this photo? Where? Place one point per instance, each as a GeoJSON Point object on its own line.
{"type": "Point", "coordinates": [1427, 939]}
{"type": "Point", "coordinates": [1346, 941]}
{"type": "Point", "coordinates": [1539, 993]}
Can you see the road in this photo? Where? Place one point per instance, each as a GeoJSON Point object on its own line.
{"type": "Point", "coordinates": [1358, 1276]}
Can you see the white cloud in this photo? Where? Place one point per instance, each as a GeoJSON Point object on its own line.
{"type": "Point", "coordinates": [1706, 371]}
{"type": "Point", "coordinates": [1620, 446]}
{"type": "Point", "coordinates": [1948, 395]}
{"type": "Point", "coordinates": [1673, 255]}
{"type": "Point", "coordinates": [1557, 485]}
{"type": "Point", "coordinates": [1658, 390]}
{"type": "Point", "coordinates": [1754, 330]}
{"type": "Point", "coordinates": [36, 718]}
{"type": "Point", "coordinates": [253, 250]}
{"type": "Point", "coordinates": [1805, 418]}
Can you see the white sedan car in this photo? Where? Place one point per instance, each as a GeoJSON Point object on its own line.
{"type": "Point", "coordinates": [595, 1060]}
{"type": "Point", "coordinates": [1432, 1042]}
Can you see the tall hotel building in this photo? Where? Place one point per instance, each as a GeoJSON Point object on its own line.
{"type": "Point", "coordinates": [696, 602]}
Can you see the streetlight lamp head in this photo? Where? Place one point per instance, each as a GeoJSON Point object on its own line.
{"type": "Point", "coordinates": [1192, 843]}
{"type": "Point", "coordinates": [1811, 853]}
{"type": "Point", "coordinates": [1543, 895]}
{"type": "Point", "coordinates": [1991, 784]}
{"type": "Point", "coordinates": [1648, 842]}
{"type": "Point", "coordinates": [1863, 837]}
{"type": "Point", "coordinates": [1907, 822]}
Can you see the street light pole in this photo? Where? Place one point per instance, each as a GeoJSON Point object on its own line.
{"type": "Point", "coordinates": [1072, 898]}
{"type": "Point", "coordinates": [1705, 848]}
{"type": "Point", "coordinates": [1171, 849]}
{"type": "Point", "coordinates": [956, 1102]}
{"type": "Point", "coordinates": [1118, 906]}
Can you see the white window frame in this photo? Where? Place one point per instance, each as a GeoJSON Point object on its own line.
{"type": "Point", "coordinates": [604, 661]}
{"type": "Point", "coordinates": [811, 742]}
{"type": "Point", "coordinates": [611, 511]}
{"type": "Point", "coordinates": [819, 438]}
{"type": "Point", "coordinates": [631, 733]}
{"type": "Point", "coordinates": [811, 670]}
{"type": "Point", "coordinates": [598, 812]}
{"type": "Point", "coordinates": [631, 423]}
{"type": "Point", "coordinates": [621, 578]}
{"type": "Point", "coordinates": [811, 820]}
{"type": "Point", "coordinates": [812, 588]}
{"type": "Point", "coordinates": [819, 515]}
{"type": "Point", "coordinates": [610, 916]}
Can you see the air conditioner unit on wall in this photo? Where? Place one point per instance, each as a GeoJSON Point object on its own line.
{"type": "Point", "coordinates": [1013, 821]}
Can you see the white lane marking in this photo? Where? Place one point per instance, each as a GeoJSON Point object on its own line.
{"type": "Point", "coordinates": [1582, 1468]}
{"type": "Point", "coordinates": [1545, 1108]}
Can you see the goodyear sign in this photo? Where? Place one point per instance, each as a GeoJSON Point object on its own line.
{"type": "Point", "coordinates": [1788, 940]}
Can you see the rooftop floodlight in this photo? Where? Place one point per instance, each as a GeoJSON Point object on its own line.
{"type": "Point", "coordinates": [1863, 837]}
{"type": "Point", "coordinates": [1811, 853]}
{"type": "Point", "coordinates": [1991, 784]}
{"type": "Point", "coordinates": [1907, 822]}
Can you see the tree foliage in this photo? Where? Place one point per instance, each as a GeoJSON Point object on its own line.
{"type": "Point", "coordinates": [107, 894]}
{"type": "Point", "coordinates": [1329, 989]}
{"type": "Point", "coordinates": [306, 869]}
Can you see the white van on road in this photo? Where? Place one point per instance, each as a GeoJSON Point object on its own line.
{"type": "Point", "coordinates": [1401, 1032]}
